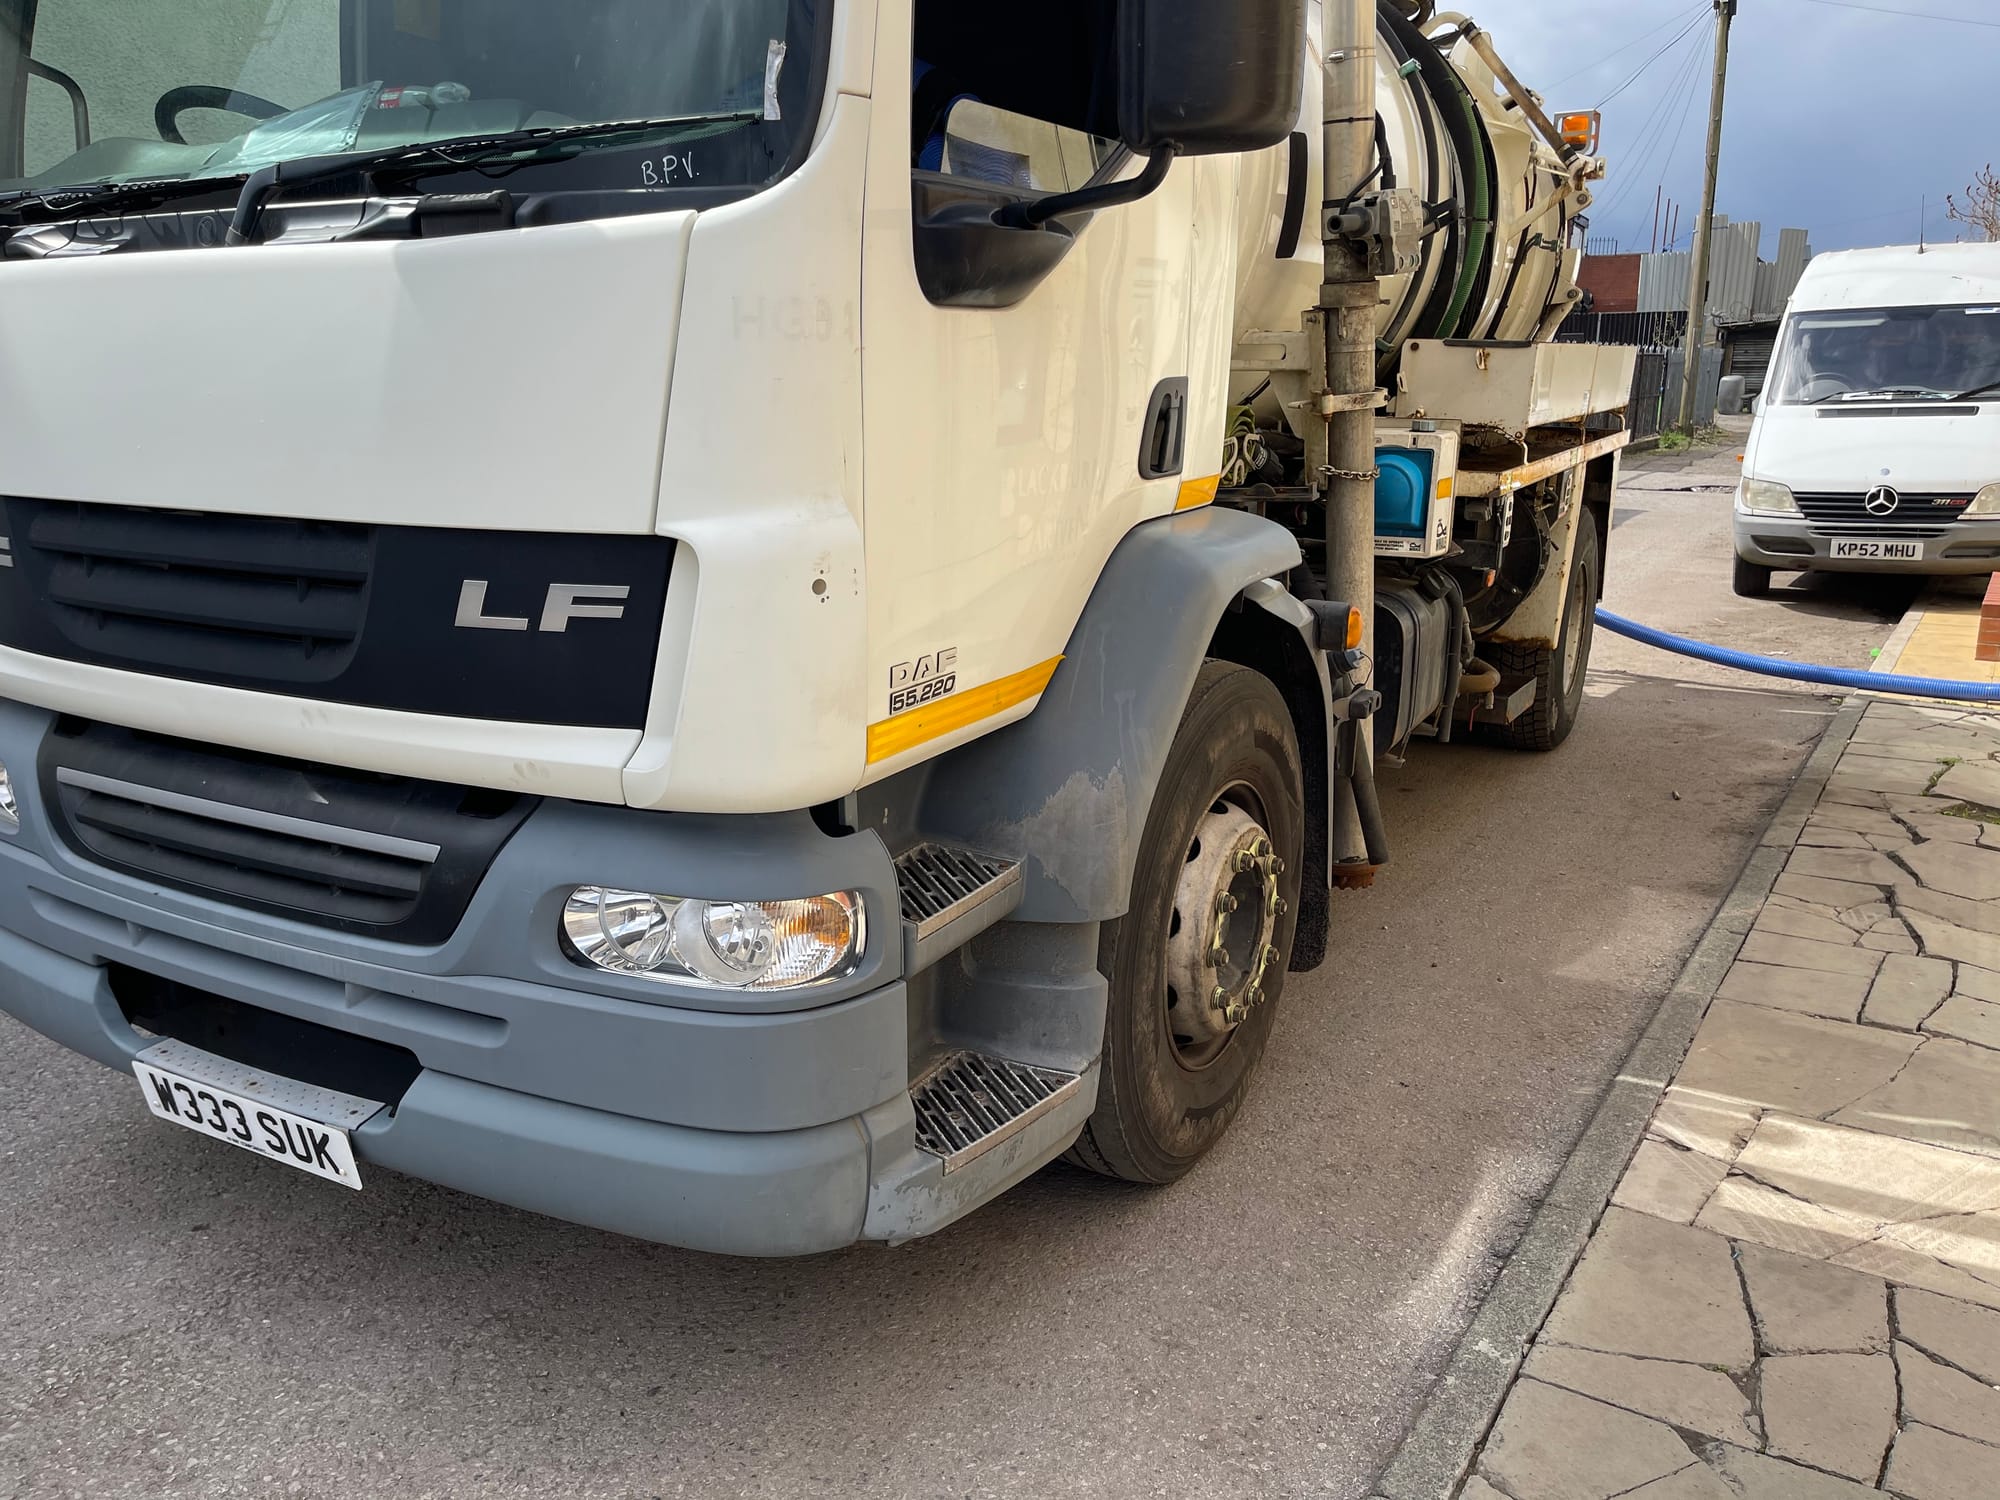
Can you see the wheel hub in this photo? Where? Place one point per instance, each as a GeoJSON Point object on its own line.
{"type": "Point", "coordinates": [1221, 947]}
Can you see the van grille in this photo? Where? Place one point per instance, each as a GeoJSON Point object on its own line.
{"type": "Point", "coordinates": [1850, 511]}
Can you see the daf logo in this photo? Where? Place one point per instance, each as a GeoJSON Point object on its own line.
{"type": "Point", "coordinates": [1882, 501]}
{"type": "Point", "coordinates": [564, 602]}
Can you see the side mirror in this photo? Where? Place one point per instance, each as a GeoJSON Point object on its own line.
{"type": "Point", "coordinates": [1204, 77]}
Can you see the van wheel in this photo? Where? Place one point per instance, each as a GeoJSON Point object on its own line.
{"type": "Point", "coordinates": [1558, 670]}
{"type": "Point", "coordinates": [1197, 964]}
{"type": "Point", "coordinates": [1750, 580]}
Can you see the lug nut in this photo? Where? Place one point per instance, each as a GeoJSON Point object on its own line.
{"type": "Point", "coordinates": [1280, 906]}
{"type": "Point", "coordinates": [1229, 903]}
{"type": "Point", "coordinates": [1270, 954]}
{"type": "Point", "coordinates": [1256, 995]}
{"type": "Point", "coordinates": [1219, 997]}
{"type": "Point", "coordinates": [1277, 867]}
{"type": "Point", "coordinates": [1245, 861]}
{"type": "Point", "coordinates": [1235, 1015]}
{"type": "Point", "coordinates": [1219, 955]}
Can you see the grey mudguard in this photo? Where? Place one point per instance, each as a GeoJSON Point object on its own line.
{"type": "Point", "coordinates": [1067, 790]}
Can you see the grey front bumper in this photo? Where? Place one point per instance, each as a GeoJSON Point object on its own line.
{"type": "Point", "coordinates": [1794, 543]}
{"type": "Point", "coordinates": [601, 1099]}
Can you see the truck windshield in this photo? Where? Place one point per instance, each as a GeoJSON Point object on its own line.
{"type": "Point", "coordinates": [125, 90]}
{"type": "Point", "coordinates": [1888, 354]}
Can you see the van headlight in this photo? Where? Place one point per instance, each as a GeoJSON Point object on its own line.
{"type": "Point", "coordinates": [733, 945]}
{"type": "Point", "coordinates": [1985, 503]}
{"type": "Point", "coordinates": [1768, 496]}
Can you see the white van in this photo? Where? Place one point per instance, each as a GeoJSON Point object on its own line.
{"type": "Point", "coordinates": [1877, 442]}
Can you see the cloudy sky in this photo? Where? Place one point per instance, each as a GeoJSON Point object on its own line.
{"type": "Point", "coordinates": [1840, 119]}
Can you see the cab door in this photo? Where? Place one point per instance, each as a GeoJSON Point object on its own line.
{"type": "Point", "coordinates": [1019, 418]}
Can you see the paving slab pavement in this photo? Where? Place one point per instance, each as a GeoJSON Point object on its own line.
{"type": "Point", "coordinates": [1796, 1289]}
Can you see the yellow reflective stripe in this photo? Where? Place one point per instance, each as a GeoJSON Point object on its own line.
{"type": "Point", "coordinates": [1198, 492]}
{"type": "Point", "coordinates": [919, 726]}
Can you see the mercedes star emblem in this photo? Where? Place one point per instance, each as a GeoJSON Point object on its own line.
{"type": "Point", "coordinates": [1882, 501]}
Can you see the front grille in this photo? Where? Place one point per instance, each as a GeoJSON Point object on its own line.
{"type": "Point", "coordinates": [386, 855]}
{"type": "Point", "coordinates": [1838, 514]}
{"type": "Point", "coordinates": [518, 626]}
{"type": "Point", "coordinates": [238, 596]}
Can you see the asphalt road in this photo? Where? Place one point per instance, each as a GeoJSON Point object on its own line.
{"type": "Point", "coordinates": [180, 1319]}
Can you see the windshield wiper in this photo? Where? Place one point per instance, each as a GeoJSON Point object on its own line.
{"type": "Point", "coordinates": [1883, 393]}
{"type": "Point", "coordinates": [97, 197]}
{"type": "Point", "coordinates": [1991, 388]}
{"type": "Point", "coordinates": [461, 151]}
{"type": "Point", "coordinates": [256, 188]}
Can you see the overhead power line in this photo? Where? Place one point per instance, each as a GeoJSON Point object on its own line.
{"type": "Point", "coordinates": [1908, 15]}
{"type": "Point", "coordinates": [1595, 64]}
{"type": "Point", "coordinates": [1680, 36]}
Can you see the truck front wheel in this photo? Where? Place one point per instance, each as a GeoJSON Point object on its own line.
{"type": "Point", "coordinates": [1197, 964]}
{"type": "Point", "coordinates": [1558, 670]}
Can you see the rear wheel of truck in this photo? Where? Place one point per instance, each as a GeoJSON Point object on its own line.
{"type": "Point", "coordinates": [1558, 670]}
{"type": "Point", "coordinates": [1750, 580]}
{"type": "Point", "coordinates": [1197, 964]}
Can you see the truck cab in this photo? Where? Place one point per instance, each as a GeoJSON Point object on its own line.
{"type": "Point", "coordinates": [719, 620]}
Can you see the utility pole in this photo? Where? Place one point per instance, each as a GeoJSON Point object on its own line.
{"type": "Point", "coordinates": [1704, 228]}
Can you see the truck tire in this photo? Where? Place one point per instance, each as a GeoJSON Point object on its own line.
{"type": "Point", "coordinates": [1197, 964]}
{"type": "Point", "coordinates": [1750, 580]}
{"type": "Point", "coordinates": [1558, 670]}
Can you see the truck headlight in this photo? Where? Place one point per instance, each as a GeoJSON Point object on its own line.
{"type": "Point", "coordinates": [1985, 503]}
{"type": "Point", "coordinates": [1768, 496]}
{"type": "Point", "coordinates": [736, 945]}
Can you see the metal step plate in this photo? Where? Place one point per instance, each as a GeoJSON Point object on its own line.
{"type": "Point", "coordinates": [969, 1103]}
{"type": "Point", "coordinates": [949, 897]}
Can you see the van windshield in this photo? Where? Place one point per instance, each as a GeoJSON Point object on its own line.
{"type": "Point", "coordinates": [1888, 354]}
{"type": "Point", "coordinates": [124, 90]}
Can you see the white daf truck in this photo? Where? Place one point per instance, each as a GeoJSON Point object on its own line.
{"type": "Point", "coordinates": [744, 620]}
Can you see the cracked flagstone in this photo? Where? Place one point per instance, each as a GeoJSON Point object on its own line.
{"type": "Point", "coordinates": [1804, 953]}
{"type": "Point", "coordinates": [1856, 866]}
{"type": "Point", "coordinates": [1835, 996]}
{"type": "Point", "coordinates": [1981, 917]}
{"type": "Point", "coordinates": [1950, 1400]}
{"type": "Point", "coordinates": [1755, 1477]}
{"type": "Point", "coordinates": [1660, 1290]}
{"type": "Point", "coordinates": [1972, 781]}
{"type": "Point", "coordinates": [1806, 1306]}
{"type": "Point", "coordinates": [1968, 1337]}
{"type": "Point", "coordinates": [1705, 1123]}
{"type": "Point", "coordinates": [1832, 1411]}
{"type": "Point", "coordinates": [1980, 984]}
{"type": "Point", "coordinates": [1927, 1464]}
{"type": "Point", "coordinates": [1943, 939]}
{"type": "Point", "coordinates": [1779, 922]}
{"type": "Point", "coordinates": [1668, 1182]}
{"type": "Point", "coordinates": [1949, 1095]}
{"type": "Point", "coordinates": [1969, 1020]}
{"type": "Point", "coordinates": [1747, 1210]}
{"type": "Point", "coordinates": [1906, 990]}
{"type": "Point", "coordinates": [1552, 1444]}
{"type": "Point", "coordinates": [1957, 869]}
{"type": "Point", "coordinates": [1798, 1064]}
{"type": "Point", "coordinates": [1882, 1179]}
{"type": "Point", "coordinates": [1688, 1396]}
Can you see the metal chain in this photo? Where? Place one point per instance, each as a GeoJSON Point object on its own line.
{"type": "Point", "coordinates": [1367, 476]}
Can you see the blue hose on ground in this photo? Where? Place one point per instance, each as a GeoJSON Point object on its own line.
{"type": "Point", "coordinates": [1772, 666]}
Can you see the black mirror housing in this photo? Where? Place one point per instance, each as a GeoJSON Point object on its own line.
{"type": "Point", "coordinates": [1209, 76]}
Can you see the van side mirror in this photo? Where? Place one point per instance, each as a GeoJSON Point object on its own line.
{"type": "Point", "coordinates": [1205, 77]}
